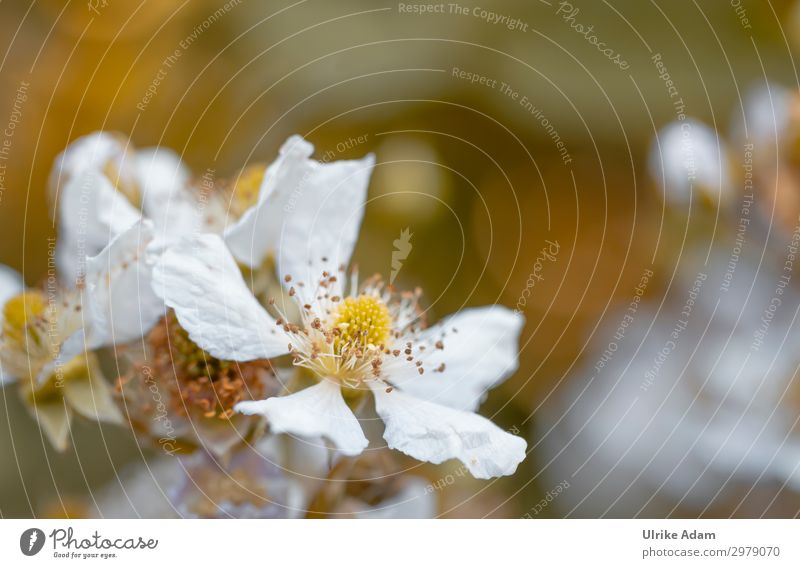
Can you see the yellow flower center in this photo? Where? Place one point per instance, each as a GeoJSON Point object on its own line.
{"type": "Point", "coordinates": [362, 321]}
{"type": "Point", "coordinates": [23, 315]}
{"type": "Point", "coordinates": [246, 190]}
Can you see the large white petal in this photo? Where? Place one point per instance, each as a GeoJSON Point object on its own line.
{"type": "Point", "coordinates": [320, 230]}
{"type": "Point", "coordinates": [307, 211]}
{"type": "Point", "coordinates": [478, 349]}
{"type": "Point", "coordinates": [91, 213]}
{"type": "Point", "coordinates": [254, 236]}
{"type": "Point", "coordinates": [121, 300]}
{"type": "Point", "coordinates": [434, 433]}
{"type": "Point", "coordinates": [313, 412]}
{"type": "Point", "coordinates": [166, 197]}
{"type": "Point", "coordinates": [199, 279]}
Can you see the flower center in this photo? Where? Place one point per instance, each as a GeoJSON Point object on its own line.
{"type": "Point", "coordinates": [247, 188]}
{"type": "Point", "coordinates": [24, 315]}
{"type": "Point", "coordinates": [362, 321]}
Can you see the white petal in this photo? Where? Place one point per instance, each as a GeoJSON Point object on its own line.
{"type": "Point", "coordinates": [254, 237]}
{"type": "Point", "coordinates": [313, 412]}
{"type": "Point", "coordinates": [74, 345]}
{"type": "Point", "coordinates": [92, 397]}
{"type": "Point", "coordinates": [320, 231]}
{"type": "Point", "coordinates": [90, 152]}
{"type": "Point", "coordinates": [433, 433]}
{"type": "Point", "coordinates": [11, 284]}
{"type": "Point", "coordinates": [480, 349]}
{"type": "Point", "coordinates": [199, 279]}
{"type": "Point", "coordinates": [307, 211]}
{"type": "Point", "coordinates": [160, 173]}
{"type": "Point", "coordinates": [166, 199]}
{"type": "Point", "coordinates": [91, 214]}
{"type": "Point", "coordinates": [54, 419]}
{"type": "Point", "coordinates": [121, 300]}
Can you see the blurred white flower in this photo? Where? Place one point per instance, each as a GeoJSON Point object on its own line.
{"type": "Point", "coordinates": [696, 409]}
{"type": "Point", "coordinates": [767, 110]}
{"type": "Point", "coordinates": [48, 335]}
{"type": "Point", "coordinates": [690, 163]}
{"type": "Point", "coordinates": [100, 187]}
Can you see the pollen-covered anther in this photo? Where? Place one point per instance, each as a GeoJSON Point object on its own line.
{"type": "Point", "coordinates": [362, 320]}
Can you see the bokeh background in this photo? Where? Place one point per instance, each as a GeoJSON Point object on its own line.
{"type": "Point", "coordinates": [469, 170]}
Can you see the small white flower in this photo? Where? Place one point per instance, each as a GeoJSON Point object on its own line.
{"type": "Point", "coordinates": [102, 187]}
{"type": "Point", "coordinates": [690, 162]}
{"type": "Point", "coordinates": [426, 383]}
{"type": "Point", "coordinates": [48, 335]}
{"type": "Point", "coordinates": [766, 119]}
{"type": "Point", "coordinates": [41, 351]}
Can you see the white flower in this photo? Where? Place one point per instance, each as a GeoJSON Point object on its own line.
{"type": "Point", "coordinates": [102, 187]}
{"type": "Point", "coordinates": [426, 382]}
{"type": "Point", "coordinates": [303, 206]}
{"type": "Point", "coordinates": [41, 351]}
{"type": "Point", "coordinates": [699, 418]}
{"type": "Point", "coordinates": [690, 162]}
{"type": "Point", "coordinates": [48, 335]}
{"type": "Point", "coordinates": [766, 119]}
